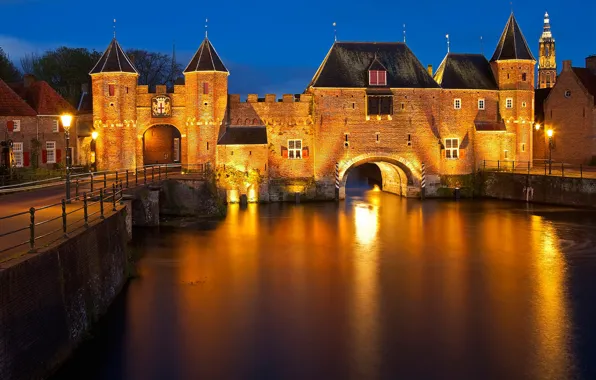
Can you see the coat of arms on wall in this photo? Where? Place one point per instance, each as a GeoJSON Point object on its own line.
{"type": "Point", "coordinates": [161, 106]}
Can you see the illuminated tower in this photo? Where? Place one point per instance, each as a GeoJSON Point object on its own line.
{"type": "Point", "coordinates": [206, 80]}
{"type": "Point", "coordinates": [513, 66]}
{"type": "Point", "coordinates": [547, 64]}
{"type": "Point", "coordinates": [114, 87]}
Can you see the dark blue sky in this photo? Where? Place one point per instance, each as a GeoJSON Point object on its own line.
{"type": "Point", "coordinates": [270, 46]}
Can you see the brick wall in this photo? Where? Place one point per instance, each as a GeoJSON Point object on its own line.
{"type": "Point", "coordinates": [573, 120]}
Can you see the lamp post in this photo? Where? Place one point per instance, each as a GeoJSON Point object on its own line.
{"type": "Point", "coordinates": [66, 120]}
{"type": "Point", "coordinates": [94, 135]}
{"type": "Point", "coordinates": [549, 133]}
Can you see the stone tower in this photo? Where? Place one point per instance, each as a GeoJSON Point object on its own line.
{"type": "Point", "coordinates": [206, 80]}
{"type": "Point", "coordinates": [114, 87]}
{"type": "Point", "coordinates": [547, 64]}
{"type": "Point", "coordinates": [513, 66]}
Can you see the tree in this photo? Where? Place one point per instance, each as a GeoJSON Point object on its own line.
{"type": "Point", "coordinates": [155, 68]}
{"type": "Point", "coordinates": [8, 70]}
{"type": "Point", "coordinates": [64, 68]}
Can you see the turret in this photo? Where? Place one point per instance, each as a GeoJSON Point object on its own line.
{"type": "Point", "coordinates": [547, 64]}
{"type": "Point", "coordinates": [513, 66]}
{"type": "Point", "coordinates": [114, 86]}
{"type": "Point", "coordinates": [206, 80]}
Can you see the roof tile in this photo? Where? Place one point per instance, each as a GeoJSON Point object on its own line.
{"type": "Point", "coordinates": [11, 104]}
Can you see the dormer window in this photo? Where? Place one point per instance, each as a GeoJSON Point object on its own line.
{"type": "Point", "coordinates": [377, 77]}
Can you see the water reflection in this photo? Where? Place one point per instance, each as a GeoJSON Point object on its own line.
{"type": "Point", "coordinates": [374, 287]}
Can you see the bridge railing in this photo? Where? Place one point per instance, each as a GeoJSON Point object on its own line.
{"type": "Point", "coordinates": [93, 197]}
{"type": "Point", "coordinates": [539, 167]}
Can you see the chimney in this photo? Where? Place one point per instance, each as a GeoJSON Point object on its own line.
{"type": "Point", "coordinates": [591, 63]}
{"type": "Point", "coordinates": [28, 79]}
{"type": "Point", "coordinates": [566, 65]}
{"type": "Point", "coordinates": [429, 68]}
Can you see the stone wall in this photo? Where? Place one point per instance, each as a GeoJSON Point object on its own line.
{"type": "Point", "coordinates": [540, 189]}
{"type": "Point", "coordinates": [49, 300]}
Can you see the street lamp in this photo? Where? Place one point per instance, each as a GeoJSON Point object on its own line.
{"type": "Point", "coordinates": [66, 120]}
{"type": "Point", "coordinates": [537, 126]}
{"type": "Point", "coordinates": [94, 135]}
{"type": "Point", "coordinates": [549, 133]}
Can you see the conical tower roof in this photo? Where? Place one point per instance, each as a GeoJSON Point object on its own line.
{"type": "Point", "coordinates": [114, 60]}
{"type": "Point", "coordinates": [512, 44]}
{"type": "Point", "coordinates": [205, 59]}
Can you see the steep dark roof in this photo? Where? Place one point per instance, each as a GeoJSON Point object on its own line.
{"type": "Point", "coordinates": [490, 126]}
{"type": "Point", "coordinates": [244, 136]}
{"type": "Point", "coordinates": [588, 79]}
{"type": "Point", "coordinates": [540, 95]}
{"type": "Point", "coordinates": [11, 104]}
{"type": "Point", "coordinates": [114, 60]}
{"type": "Point", "coordinates": [466, 71]}
{"type": "Point", "coordinates": [43, 98]}
{"type": "Point", "coordinates": [512, 44]}
{"type": "Point", "coordinates": [347, 64]}
{"type": "Point", "coordinates": [205, 59]}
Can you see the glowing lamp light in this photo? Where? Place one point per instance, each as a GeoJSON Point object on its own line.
{"type": "Point", "coordinates": [537, 127]}
{"type": "Point", "coordinates": [94, 135]}
{"type": "Point", "coordinates": [66, 121]}
{"type": "Point", "coordinates": [549, 133]}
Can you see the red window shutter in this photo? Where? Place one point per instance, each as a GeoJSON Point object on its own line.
{"type": "Point", "coordinates": [10, 125]}
{"type": "Point", "coordinates": [462, 153]}
{"type": "Point", "coordinates": [382, 77]}
{"type": "Point", "coordinates": [58, 156]}
{"type": "Point", "coordinates": [25, 158]}
{"type": "Point", "coordinates": [111, 90]}
{"type": "Point", "coordinates": [205, 88]}
{"type": "Point", "coordinates": [44, 156]}
{"type": "Point", "coordinates": [284, 152]}
{"type": "Point", "coordinates": [305, 152]}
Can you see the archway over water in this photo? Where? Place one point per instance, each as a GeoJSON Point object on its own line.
{"type": "Point", "coordinates": [161, 145]}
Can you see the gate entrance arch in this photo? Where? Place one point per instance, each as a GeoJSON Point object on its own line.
{"type": "Point", "coordinates": [161, 145]}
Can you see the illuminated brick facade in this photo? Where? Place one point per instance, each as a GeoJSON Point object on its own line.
{"type": "Point", "coordinates": [450, 122]}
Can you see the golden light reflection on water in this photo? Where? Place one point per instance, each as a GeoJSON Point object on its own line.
{"type": "Point", "coordinates": [366, 219]}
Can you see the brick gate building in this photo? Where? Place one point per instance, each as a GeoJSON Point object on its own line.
{"type": "Point", "coordinates": [368, 102]}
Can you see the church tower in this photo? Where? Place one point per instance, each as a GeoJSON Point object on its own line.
{"type": "Point", "coordinates": [114, 88]}
{"type": "Point", "coordinates": [206, 81]}
{"type": "Point", "coordinates": [547, 64]}
{"type": "Point", "coordinates": [513, 66]}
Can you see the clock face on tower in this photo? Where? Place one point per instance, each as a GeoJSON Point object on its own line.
{"type": "Point", "coordinates": [161, 106]}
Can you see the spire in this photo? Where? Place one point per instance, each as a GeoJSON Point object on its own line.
{"type": "Point", "coordinates": [114, 60]}
{"type": "Point", "coordinates": [448, 44]}
{"type": "Point", "coordinates": [546, 33]}
{"type": "Point", "coordinates": [512, 44]}
{"type": "Point", "coordinates": [206, 27]}
{"type": "Point", "coordinates": [334, 32]}
{"type": "Point", "coordinates": [205, 59]}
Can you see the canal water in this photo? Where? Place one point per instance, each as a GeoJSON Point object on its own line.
{"type": "Point", "coordinates": [376, 287]}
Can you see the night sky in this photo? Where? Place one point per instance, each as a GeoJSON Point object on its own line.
{"type": "Point", "coordinates": [272, 47]}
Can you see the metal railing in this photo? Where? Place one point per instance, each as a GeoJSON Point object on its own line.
{"type": "Point", "coordinates": [539, 167]}
{"type": "Point", "coordinates": [95, 194]}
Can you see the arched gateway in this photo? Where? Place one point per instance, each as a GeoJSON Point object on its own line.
{"type": "Point", "coordinates": [399, 176]}
{"type": "Point", "coordinates": [161, 145]}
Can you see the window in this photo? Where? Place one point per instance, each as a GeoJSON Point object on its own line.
{"type": "Point", "coordinates": [55, 126]}
{"type": "Point", "coordinates": [548, 80]}
{"type": "Point", "coordinates": [207, 145]}
{"type": "Point", "coordinates": [523, 147]}
{"type": "Point", "coordinates": [568, 93]}
{"type": "Point", "coordinates": [111, 89]}
{"type": "Point", "coordinates": [51, 152]}
{"type": "Point", "coordinates": [403, 106]}
{"type": "Point", "coordinates": [294, 149]}
{"type": "Point", "coordinates": [457, 104]}
{"type": "Point", "coordinates": [16, 125]}
{"type": "Point", "coordinates": [377, 78]}
{"type": "Point", "coordinates": [481, 104]}
{"type": "Point", "coordinates": [509, 103]}
{"type": "Point", "coordinates": [205, 88]}
{"type": "Point", "coordinates": [176, 149]}
{"type": "Point", "coordinates": [378, 135]}
{"type": "Point", "coordinates": [409, 139]}
{"type": "Point", "coordinates": [452, 149]}
{"type": "Point", "coordinates": [524, 104]}
{"type": "Point", "coordinates": [380, 105]}
{"type": "Point", "coordinates": [17, 149]}
{"type": "Point", "coordinates": [506, 154]}
{"type": "Point", "coordinates": [524, 77]}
